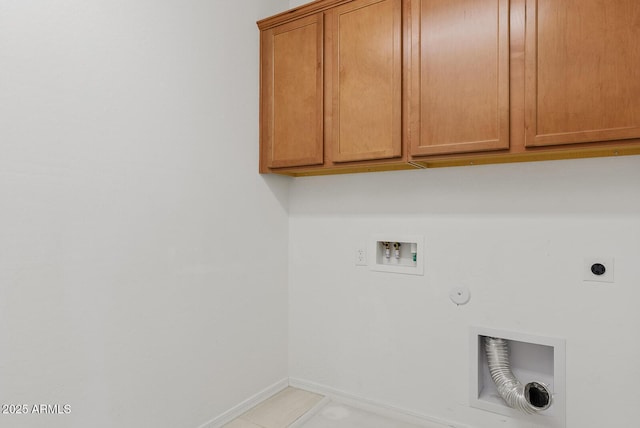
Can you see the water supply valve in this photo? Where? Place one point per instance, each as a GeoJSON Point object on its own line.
{"type": "Point", "coordinates": [387, 250]}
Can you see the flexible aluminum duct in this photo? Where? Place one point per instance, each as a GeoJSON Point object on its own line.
{"type": "Point", "coordinates": [530, 398]}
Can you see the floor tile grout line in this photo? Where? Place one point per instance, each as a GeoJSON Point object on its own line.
{"type": "Point", "coordinates": [310, 413]}
{"type": "Point", "coordinates": [292, 401]}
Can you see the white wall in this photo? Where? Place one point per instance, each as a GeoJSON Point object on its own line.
{"type": "Point", "coordinates": [296, 3]}
{"type": "Point", "coordinates": [142, 258]}
{"type": "Point", "coordinates": [516, 236]}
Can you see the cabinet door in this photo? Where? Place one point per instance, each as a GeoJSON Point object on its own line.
{"type": "Point", "coordinates": [364, 80]}
{"type": "Point", "coordinates": [458, 71]}
{"type": "Point", "coordinates": [582, 71]}
{"type": "Point", "coordinates": [292, 94]}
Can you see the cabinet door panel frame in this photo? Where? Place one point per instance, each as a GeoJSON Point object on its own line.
{"type": "Point", "coordinates": [358, 150]}
{"type": "Point", "coordinates": [417, 130]}
{"type": "Point", "coordinates": [535, 137]}
{"type": "Point", "coordinates": [315, 142]}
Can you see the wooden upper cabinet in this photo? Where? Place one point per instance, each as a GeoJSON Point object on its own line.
{"type": "Point", "coordinates": [582, 71]}
{"type": "Point", "coordinates": [292, 94]}
{"type": "Point", "coordinates": [363, 80]}
{"type": "Point", "coordinates": [458, 76]}
{"type": "Point", "coordinates": [371, 85]}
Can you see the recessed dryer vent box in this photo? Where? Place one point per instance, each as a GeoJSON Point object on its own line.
{"type": "Point", "coordinates": [532, 358]}
{"type": "Point", "coordinates": [397, 254]}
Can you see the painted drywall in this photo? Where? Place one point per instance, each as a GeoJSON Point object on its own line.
{"type": "Point", "coordinates": [516, 236]}
{"type": "Point", "coordinates": [143, 261]}
{"type": "Point", "coordinates": [296, 3]}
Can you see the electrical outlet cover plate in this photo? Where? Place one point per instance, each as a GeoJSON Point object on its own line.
{"type": "Point", "coordinates": [607, 276]}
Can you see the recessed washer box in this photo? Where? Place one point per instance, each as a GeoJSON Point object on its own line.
{"type": "Point", "coordinates": [402, 262]}
{"type": "Point", "coordinates": [532, 358]}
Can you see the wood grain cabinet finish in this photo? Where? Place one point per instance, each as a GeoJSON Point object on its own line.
{"type": "Point", "coordinates": [458, 68]}
{"type": "Point", "coordinates": [374, 85]}
{"type": "Point", "coordinates": [582, 71]}
{"type": "Point", "coordinates": [331, 88]}
{"type": "Point", "coordinates": [364, 80]}
{"type": "Point", "coordinates": [292, 72]}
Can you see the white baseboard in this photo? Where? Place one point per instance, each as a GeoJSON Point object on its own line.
{"type": "Point", "coordinates": [373, 406]}
{"type": "Point", "coordinates": [247, 404]}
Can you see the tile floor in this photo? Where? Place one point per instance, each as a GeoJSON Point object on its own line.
{"type": "Point", "coordinates": [337, 415]}
{"type": "Point", "coordinates": [285, 408]}
{"type": "Point", "coordinates": [279, 411]}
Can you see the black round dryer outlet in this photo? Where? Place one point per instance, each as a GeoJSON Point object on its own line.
{"type": "Point", "coordinates": [598, 269]}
